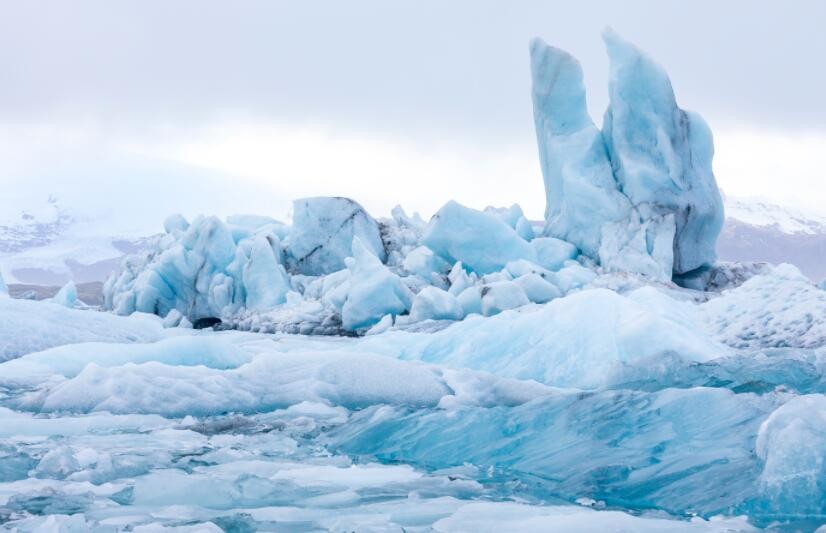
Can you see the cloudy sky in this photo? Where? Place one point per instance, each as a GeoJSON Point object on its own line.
{"type": "Point", "coordinates": [206, 106]}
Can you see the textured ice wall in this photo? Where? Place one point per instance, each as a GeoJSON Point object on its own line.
{"type": "Point", "coordinates": [661, 155]}
{"type": "Point", "coordinates": [582, 195]}
{"type": "Point", "coordinates": [323, 231]}
{"type": "Point", "coordinates": [640, 196]}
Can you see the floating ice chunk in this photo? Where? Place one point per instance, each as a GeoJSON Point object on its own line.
{"type": "Point", "coordinates": [488, 390]}
{"type": "Point", "coordinates": [323, 231]}
{"type": "Point", "coordinates": [435, 304]}
{"type": "Point", "coordinates": [537, 288]}
{"type": "Point", "coordinates": [514, 217]}
{"type": "Point", "coordinates": [381, 326]}
{"type": "Point", "coordinates": [502, 275]}
{"type": "Point", "coordinates": [521, 267]}
{"type": "Point", "coordinates": [792, 445]}
{"type": "Point", "coordinates": [564, 342]}
{"type": "Point", "coordinates": [4, 290]}
{"type": "Point", "coordinates": [66, 296]}
{"type": "Point", "coordinates": [551, 253]}
{"type": "Point", "coordinates": [334, 288]}
{"type": "Point", "coordinates": [69, 360]}
{"type": "Point", "coordinates": [421, 261]}
{"type": "Point", "coordinates": [459, 279]}
{"type": "Point", "coordinates": [484, 517]}
{"type": "Point", "coordinates": [400, 235]}
{"type": "Point", "coordinates": [661, 155]}
{"type": "Point", "coordinates": [57, 523]}
{"type": "Point", "coordinates": [779, 309]}
{"type": "Point", "coordinates": [27, 326]}
{"type": "Point", "coordinates": [210, 269]}
{"type": "Point", "coordinates": [265, 383]}
{"type": "Point", "coordinates": [501, 296]}
{"type": "Point", "coordinates": [641, 196]}
{"type": "Point", "coordinates": [175, 224]}
{"type": "Point", "coordinates": [265, 280]}
{"type": "Point", "coordinates": [481, 241]}
{"type": "Point", "coordinates": [581, 192]}
{"type": "Point", "coordinates": [188, 273]}
{"type": "Point", "coordinates": [471, 300]}
{"type": "Point", "coordinates": [524, 229]}
{"type": "Point", "coordinates": [172, 319]}
{"type": "Point", "coordinates": [572, 276]}
{"type": "Point", "coordinates": [374, 291]}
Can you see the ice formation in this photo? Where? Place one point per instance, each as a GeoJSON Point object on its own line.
{"type": "Point", "coordinates": [792, 445]}
{"type": "Point", "coordinates": [323, 231]}
{"type": "Point", "coordinates": [28, 326]}
{"type": "Point", "coordinates": [66, 296]}
{"type": "Point", "coordinates": [373, 290]}
{"type": "Point", "coordinates": [661, 155]}
{"type": "Point", "coordinates": [481, 241]}
{"type": "Point", "coordinates": [639, 196]}
{"type": "Point", "coordinates": [464, 374]}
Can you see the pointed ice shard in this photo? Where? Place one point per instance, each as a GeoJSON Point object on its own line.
{"type": "Point", "coordinates": [584, 203]}
{"type": "Point", "coordinates": [66, 296]}
{"type": "Point", "coordinates": [661, 155]}
{"type": "Point", "coordinates": [582, 195]}
{"type": "Point", "coordinates": [374, 291]}
{"type": "Point", "coordinates": [265, 280]}
{"type": "Point", "coordinates": [639, 196]}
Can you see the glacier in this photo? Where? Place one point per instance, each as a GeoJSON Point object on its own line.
{"type": "Point", "coordinates": [477, 371]}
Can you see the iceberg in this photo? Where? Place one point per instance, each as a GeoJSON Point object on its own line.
{"type": "Point", "coordinates": [792, 445]}
{"type": "Point", "coordinates": [432, 303]}
{"type": "Point", "coordinates": [67, 295]}
{"type": "Point", "coordinates": [208, 268]}
{"type": "Point", "coordinates": [776, 309]}
{"type": "Point", "coordinates": [347, 373]}
{"type": "Point", "coordinates": [323, 231]}
{"type": "Point", "coordinates": [373, 292]}
{"type": "Point", "coordinates": [640, 196]}
{"type": "Point", "coordinates": [483, 242]}
{"type": "Point", "coordinates": [552, 253]}
{"type": "Point", "coordinates": [502, 295]}
{"type": "Point", "coordinates": [422, 262]}
{"type": "Point", "coordinates": [28, 326]}
{"type": "Point", "coordinates": [564, 343]}
{"type": "Point", "coordinates": [661, 155]}
{"type": "Point", "coordinates": [265, 280]}
{"type": "Point", "coordinates": [581, 192]}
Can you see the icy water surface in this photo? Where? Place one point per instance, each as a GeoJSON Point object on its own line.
{"type": "Point", "coordinates": [425, 431]}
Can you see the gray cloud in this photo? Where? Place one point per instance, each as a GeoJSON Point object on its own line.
{"type": "Point", "coordinates": [422, 69]}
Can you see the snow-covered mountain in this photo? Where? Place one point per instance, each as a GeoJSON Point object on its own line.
{"type": "Point", "coordinates": [44, 242]}
{"type": "Point", "coordinates": [757, 230]}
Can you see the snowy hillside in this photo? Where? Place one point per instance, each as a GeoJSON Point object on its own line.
{"type": "Point", "coordinates": [761, 231]}
{"type": "Point", "coordinates": [43, 242]}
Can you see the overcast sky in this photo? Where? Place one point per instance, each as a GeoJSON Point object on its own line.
{"type": "Point", "coordinates": [386, 102]}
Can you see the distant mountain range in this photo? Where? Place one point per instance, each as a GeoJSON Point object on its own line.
{"type": "Point", "coordinates": [49, 244]}
{"type": "Point", "coordinates": [762, 231]}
